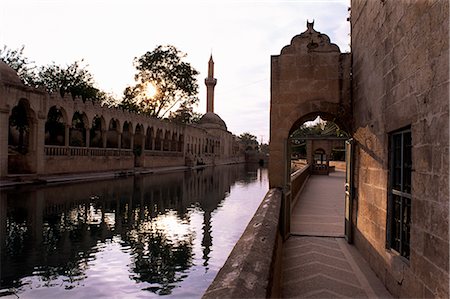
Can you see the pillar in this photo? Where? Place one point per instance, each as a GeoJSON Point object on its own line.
{"type": "Point", "coordinates": [119, 140]}
{"type": "Point", "coordinates": [39, 145]}
{"type": "Point", "coordinates": [4, 129]}
{"type": "Point", "coordinates": [67, 135]}
{"type": "Point", "coordinates": [131, 141]}
{"type": "Point", "coordinates": [104, 136]}
{"type": "Point", "coordinates": [88, 137]}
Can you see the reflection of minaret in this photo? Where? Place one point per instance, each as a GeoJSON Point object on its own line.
{"type": "Point", "coordinates": [210, 82]}
{"type": "Point", "coordinates": [207, 238]}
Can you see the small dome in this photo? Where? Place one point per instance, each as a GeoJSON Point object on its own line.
{"type": "Point", "coordinates": [212, 120]}
{"type": "Point", "coordinates": [8, 75]}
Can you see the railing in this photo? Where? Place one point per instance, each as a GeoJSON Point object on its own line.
{"type": "Point", "coordinates": [53, 150]}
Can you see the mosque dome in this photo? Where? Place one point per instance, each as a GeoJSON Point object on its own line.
{"type": "Point", "coordinates": [8, 75]}
{"type": "Point", "coordinates": [211, 120]}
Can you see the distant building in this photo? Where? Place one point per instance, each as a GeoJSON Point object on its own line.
{"type": "Point", "coordinates": [44, 133]}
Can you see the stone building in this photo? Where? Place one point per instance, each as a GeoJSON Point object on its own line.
{"type": "Point", "coordinates": [391, 94]}
{"type": "Point", "coordinates": [44, 134]}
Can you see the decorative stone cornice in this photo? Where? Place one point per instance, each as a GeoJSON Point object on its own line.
{"type": "Point", "coordinates": [310, 41]}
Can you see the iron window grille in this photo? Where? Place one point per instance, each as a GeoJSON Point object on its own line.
{"type": "Point", "coordinates": [399, 220]}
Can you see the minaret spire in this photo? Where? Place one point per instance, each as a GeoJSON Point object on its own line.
{"type": "Point", "coordinates": [210, 82]}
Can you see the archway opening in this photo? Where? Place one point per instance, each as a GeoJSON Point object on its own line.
{"type": "Point", "coordinates": [158, 139]}
{"type": "Point", "coordinates": [77, 135]}
{"type": "Point", "coordinates": [96, 133]}
{"type": "Point", "coordinates": [21, 130]}
{"type": "Point", "coordinates": [112, 135]}
{"type": "Point", "coordinates": [138, 141]}
{"type": "Point", "coordinates": [315, 141]}
{"type": "Point", "coordinates": [149, 139]}
{"type": "Point", "coordinates": [126, 135]}
{"type": "Point", "coordinates": [55, 127]}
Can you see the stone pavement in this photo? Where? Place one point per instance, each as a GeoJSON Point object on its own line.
{"type": "Point", "coordinates": [317, 261]}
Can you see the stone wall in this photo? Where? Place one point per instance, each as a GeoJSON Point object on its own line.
{"type": "Point", "coordinates": [252, 269]}
{"type": "Point", "coordinates": [91, 137]}
{"type": "Point", "coordinates": [400, 78]}
{"type": "Point", "coordinates": [310, 77]}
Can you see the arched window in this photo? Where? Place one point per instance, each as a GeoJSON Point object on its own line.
{"type": "Point", "coordinates": [96, 133]}
{"type": "Point", "coordinates": [19, 128]}
{"type": "Point", "coordinates": [112, 134]}
{"type": "Point", "coordinates": [78, 130]}
{"type": "Point", "coordinates": [55, 129]}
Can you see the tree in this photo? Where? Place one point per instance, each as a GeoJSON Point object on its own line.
{"type": "Point", "coordinates": [74, 79]}
{"type": "Point", "coordinates": [19, 120]}
{"type": "Point", "coordinates": [185, 115]}
{"type": "Point", "coordinates": [22, 65]}
{"type": "Point", "coordinates": [173, 79]}
{"type": "Point", "coordinates": [249, 141]}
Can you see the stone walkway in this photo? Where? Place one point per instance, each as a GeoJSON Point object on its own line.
{"type": "Point", "coordinates": [317, 261]}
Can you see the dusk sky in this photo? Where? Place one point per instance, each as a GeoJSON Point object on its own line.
{"type": "Point", "coordinates": [109, 34]}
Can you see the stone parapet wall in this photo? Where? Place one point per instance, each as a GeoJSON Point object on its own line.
{"type": "Point", "coordinates": [163, 160]}
{"type": "Point", "coordinates": [401, 79]}
{"type": "Point", "coordinates": [253, 268]}
{"type": "Point", "coordinates": [298, 180]}
{"type": "Point", "coordinates": [74, 164]}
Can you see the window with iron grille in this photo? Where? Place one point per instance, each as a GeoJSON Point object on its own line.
{"type": "Point", "coordinates": [399, 220]}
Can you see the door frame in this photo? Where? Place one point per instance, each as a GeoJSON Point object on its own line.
{"type": "Point", "coordinates": [349, 190]}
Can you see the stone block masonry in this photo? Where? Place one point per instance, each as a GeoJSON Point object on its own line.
{"type": "Point", "coordinates": [400, 79]}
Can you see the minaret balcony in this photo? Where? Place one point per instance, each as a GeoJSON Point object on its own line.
{"type": "Point", "coordinates": [210, 81]}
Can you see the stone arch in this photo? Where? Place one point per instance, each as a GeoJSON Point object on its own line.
{"type": "Point", "coordinates": [139, 142]}
{"type": "Point", "coordinates": [158, 140]}
{"type": "Point", "coordinates": [97, 132]}
{"type": "Point", "coordinates": [149, 139]}
{"type": "Point", "coordinates": [55, 126]}
{"type": "Point", "coordinates": [112, 135]}
{"type": "Point", "coordinates": [77, 131]}
{"type": "Point", "coordinates": [310, 76]}
{"type": "Point", "coordinates": [174, 142]}
{"type": "Point", "coordinates": [21, 132]}
{"type": "Point", "coordinates": [127, 133]}
{"type": "Point", "coordinates": [167, 140]}
{"type": "Point", "coordinates": [180, 143]}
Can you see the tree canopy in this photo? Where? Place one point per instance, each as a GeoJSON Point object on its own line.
{"type": "Point", "coordinates": [248, 140]}
{"type": "Point", "coordinates": [174, 80]}
{"type": "Point", "coordinates": [322, 128]}
{"type": "Point", "coordinates": [22, 65]}
{"type": "Point", "coordinates": [73, 78]}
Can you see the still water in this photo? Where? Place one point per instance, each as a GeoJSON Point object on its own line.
{"type": "Point", "coordinates": [137, 237]}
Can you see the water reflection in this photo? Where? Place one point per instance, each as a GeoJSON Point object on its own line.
{"type": "Point", "coordinates": [130, 236]}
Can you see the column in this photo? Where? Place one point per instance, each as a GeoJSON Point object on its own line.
{"type": "Point", "coordinates": [119, 140]}
{"type": "Point", "coordinates": [131, 141]}
{"type": "Point", "coordinates": [67, 135]}
{"type": "Point", "coordinates": [4, 129]}
{"type": "Point", "coordinates": [39, 145]}
{"type": "Point", "coordinates": [104, 134]}
{"type": "Point", "coordinates": [88, 137]}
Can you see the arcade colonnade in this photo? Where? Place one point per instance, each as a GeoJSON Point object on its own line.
{"type": "Point", "coordinates": [45, 134]}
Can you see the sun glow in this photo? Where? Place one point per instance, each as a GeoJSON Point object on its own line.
{"type": "Point", "coordinates": [150, 90]}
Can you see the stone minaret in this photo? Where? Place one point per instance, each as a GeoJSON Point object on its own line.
{"type": "Point", "coordinates": [210, 82]}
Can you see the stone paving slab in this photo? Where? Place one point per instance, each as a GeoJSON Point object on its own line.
{"type": "Point", "coordinates": [317, 261]}
{"type": "Point", "coordinates": [316, 269]}
{"type": "Point", "coordinates": [320, 208]}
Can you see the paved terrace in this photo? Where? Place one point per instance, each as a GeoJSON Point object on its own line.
{"type": "Point", "coordinates": [317, 261]}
